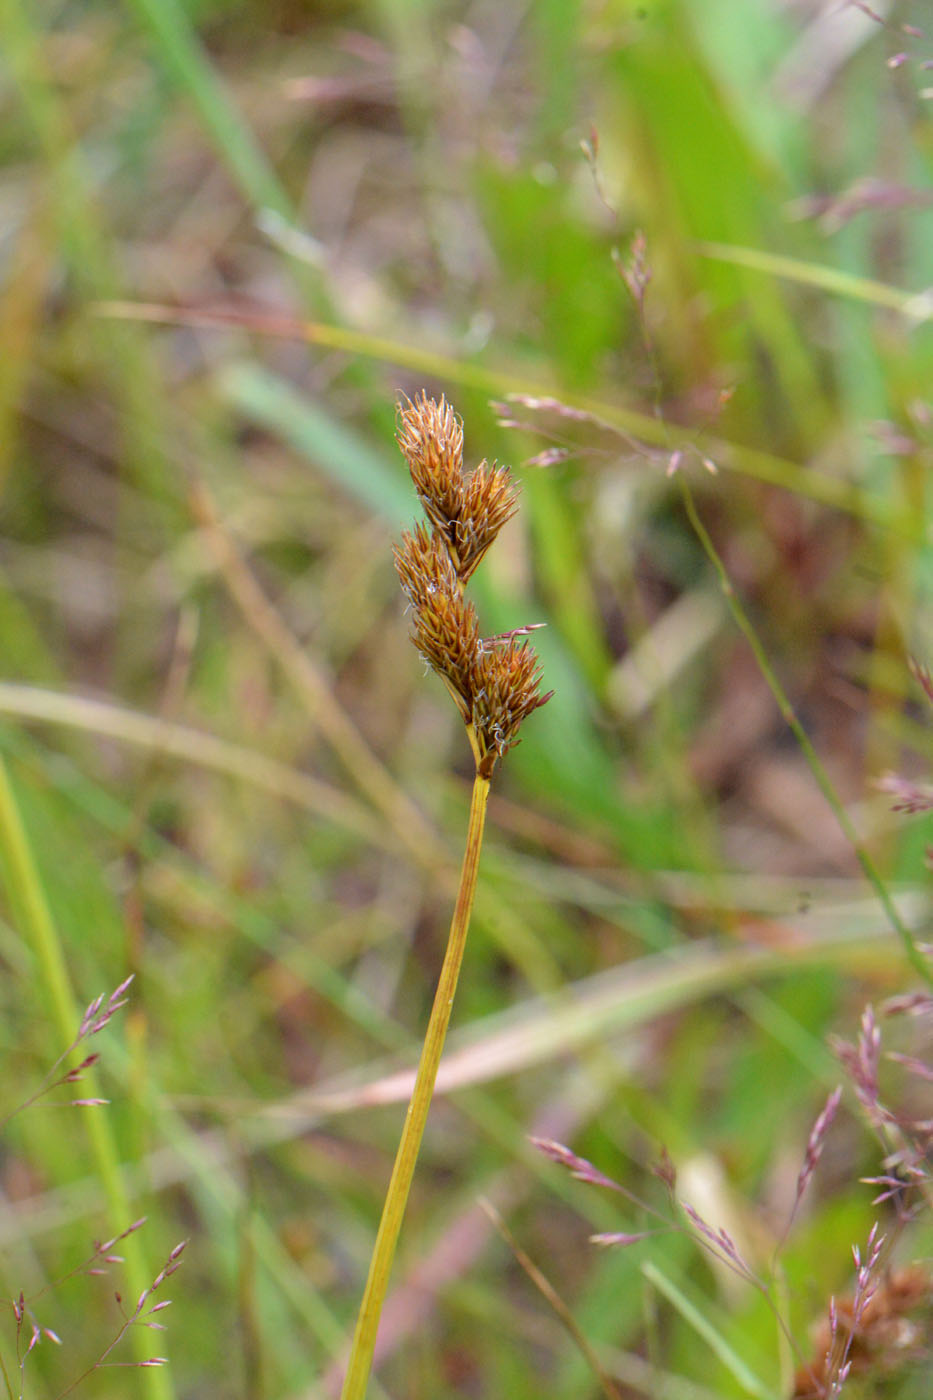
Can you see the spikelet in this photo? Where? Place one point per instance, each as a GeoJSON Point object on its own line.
{"type": "Point", "coordinates": [494, 681]}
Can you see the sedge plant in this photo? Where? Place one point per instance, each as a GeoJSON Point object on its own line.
{"type": "Point", "coordinates": [495, 684]}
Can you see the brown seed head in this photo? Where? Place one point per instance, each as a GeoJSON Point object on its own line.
{"type": "Point", "coordinates": [423, 564]}
{"type": "Point", "coordinates": [444, 626]}
{"type": "Point", "coordinates": [489, 500]}
{"type": "Point", "coordinates": [506, 689]}
{"type": "Point", "coordinates": [494, 682]}
{"type": "Point", "coordinates": [430, 436]}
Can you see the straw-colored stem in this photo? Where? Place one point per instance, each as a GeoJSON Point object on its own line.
{"type": "Point", "coordinates": [28, 898]}
{"type": "Point", "coordinates": [393, 1210]}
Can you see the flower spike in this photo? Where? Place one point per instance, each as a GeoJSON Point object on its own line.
{"type": "Point", "coordinates": [495, 682]}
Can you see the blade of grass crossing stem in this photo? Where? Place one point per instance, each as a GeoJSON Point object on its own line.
{"type": "Point", "coordinates": [822, 778]}
{"type": "Point", "coordinates": [28, 898]}
{"type": "Point", "coordinates": [714, 1339]}
{"type": "Point", "coordinates": [745, 461]}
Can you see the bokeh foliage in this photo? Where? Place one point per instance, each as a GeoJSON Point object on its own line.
{"type": "Point", "coordinates": [260, 814]}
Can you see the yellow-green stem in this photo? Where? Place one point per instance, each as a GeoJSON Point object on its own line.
{"type": "Point", "coordinates": [393, 1210]}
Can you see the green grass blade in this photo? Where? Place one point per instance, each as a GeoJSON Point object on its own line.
{"type": "Point", "coordinates": [754, 463]}
{"type": "Point", "coordinates": [27, 895]}
{"type": "Point", "coordinates": [916, 306]}
{"type": "Point", "coordinates": [339, 452]}
{"type": "Point", "coordinates": [184, 59]}
{"type": "Point", "coordinates": [713, 1338]}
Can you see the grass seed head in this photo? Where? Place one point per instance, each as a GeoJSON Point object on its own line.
{"type": "Point", "coordinates": [495, 682]}
{"type": "Point", "coordinates": [430, 436]}
{"type": "Point", "coordinates": [444, 626]}
{"type": "Point", "coordinates": [489, 500]}
{"type": "Point", "coordinates": [506, 690]}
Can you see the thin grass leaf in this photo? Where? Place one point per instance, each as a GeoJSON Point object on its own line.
{"type": "Point", "coordinates": [717, 1343]}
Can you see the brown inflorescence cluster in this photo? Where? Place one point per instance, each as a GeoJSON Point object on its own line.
{"type": "Point", "coordinates": [495, 681]}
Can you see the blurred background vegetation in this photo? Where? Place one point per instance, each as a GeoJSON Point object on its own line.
{"type": "Point", "coordinates": [232, 234]}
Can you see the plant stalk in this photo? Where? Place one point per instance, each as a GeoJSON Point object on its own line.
{"type": "Point", "coordinates": [393, 1210]}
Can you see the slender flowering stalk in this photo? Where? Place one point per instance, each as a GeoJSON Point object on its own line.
{"type": "Point", "coordinates": [814, 1151]}
{"type": "Point", "coordinates": [495, 684]}
{"type": "Point", "coordinates": [95, 1018]}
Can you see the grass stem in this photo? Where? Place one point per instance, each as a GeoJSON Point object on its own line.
{"type": "Point", "coordinates": [367, 1324]}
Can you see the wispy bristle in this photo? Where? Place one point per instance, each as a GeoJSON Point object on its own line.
{"type": "Point", "coordinates": [489, 500]}
{"type": "Point", "coordinates": [444, 626]}
{"type": "Point", "coordinates": [506, 691]}
{"type": "Point", "coordinates": [430, 436]}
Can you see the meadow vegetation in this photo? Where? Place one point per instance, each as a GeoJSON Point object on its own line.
{"type": "Point", "coordinates": [670, 261]}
